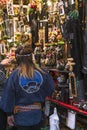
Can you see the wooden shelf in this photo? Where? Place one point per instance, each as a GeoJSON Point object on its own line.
{"type": "Point", "coordinates": [61, 71]}
{"type": "Point", "coordinates": [55, 69]}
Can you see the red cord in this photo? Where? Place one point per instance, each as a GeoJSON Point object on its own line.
{"type": "Point", "coordinates": [67, 105]}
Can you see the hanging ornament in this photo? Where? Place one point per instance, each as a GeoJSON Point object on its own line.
{"type": "Point", "coordinates": [61, 8]}
{"type": "Point", "coordinates": [54, 120]}
{"type": "Point", "coordinates": [32, 8]}
{"type": "Point", "coordinates": [2, 4]}
{"type": "Point", "coordinates": [43, 1]}
{"type": "Point", "coordinates": [10, 10]}
{"type": "Point", "coordinates": [71, 2]}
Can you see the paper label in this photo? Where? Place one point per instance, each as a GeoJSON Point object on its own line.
{"type": "Point", "coordinates": [71, 120]}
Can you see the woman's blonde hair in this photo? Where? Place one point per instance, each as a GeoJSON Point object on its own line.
{"type": "Point", "coordinates": [24, 57]}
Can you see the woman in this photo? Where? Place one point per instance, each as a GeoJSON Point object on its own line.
{"type": "Point", "coordinates": [25, 92]}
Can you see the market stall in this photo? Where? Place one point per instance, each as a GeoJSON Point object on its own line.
{"type": "Point", "coordinates": [54, 29]}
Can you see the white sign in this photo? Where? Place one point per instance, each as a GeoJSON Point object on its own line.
{"type": "Point", "coordinates": [71, 120]}
{"type": "Point", "coordinates": [10, 10]}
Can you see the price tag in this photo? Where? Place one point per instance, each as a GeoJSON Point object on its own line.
{"type": "Point", "coordinates": [71, 120]}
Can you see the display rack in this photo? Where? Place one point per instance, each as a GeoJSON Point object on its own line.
{"type": "Point", "coordinates": [68, 108]}
{"type": "Point", "coordinates": [69, 115]}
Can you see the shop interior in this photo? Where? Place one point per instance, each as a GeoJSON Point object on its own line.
{"type": "Point", "coordinates": [56, 29]}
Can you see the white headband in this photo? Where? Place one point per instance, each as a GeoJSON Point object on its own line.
{"type": "Point", "coordinates": [23, 55]}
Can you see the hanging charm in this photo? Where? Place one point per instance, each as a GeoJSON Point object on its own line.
{"type": "Point", "coordinates": [54, 121]}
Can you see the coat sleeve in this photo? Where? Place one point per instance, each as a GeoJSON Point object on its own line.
{"type": "Point", "coordinates": [8, 97]}
{"type": "Point", "coordinates": [50, 86]}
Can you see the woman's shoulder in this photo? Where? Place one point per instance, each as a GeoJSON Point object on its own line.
{"type": "Point", "coordinates": [13, 73]}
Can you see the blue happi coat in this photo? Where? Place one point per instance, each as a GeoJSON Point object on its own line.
{"type": "Point", "coordinates": [20, 91]}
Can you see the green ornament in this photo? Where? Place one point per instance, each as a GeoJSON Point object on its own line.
{"type": "Point", "coordinates": [43, 1]}
{"type": "Point", "coordinates": [31, 10]}
{"type": "Point", "coordinates": [53, 1]}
